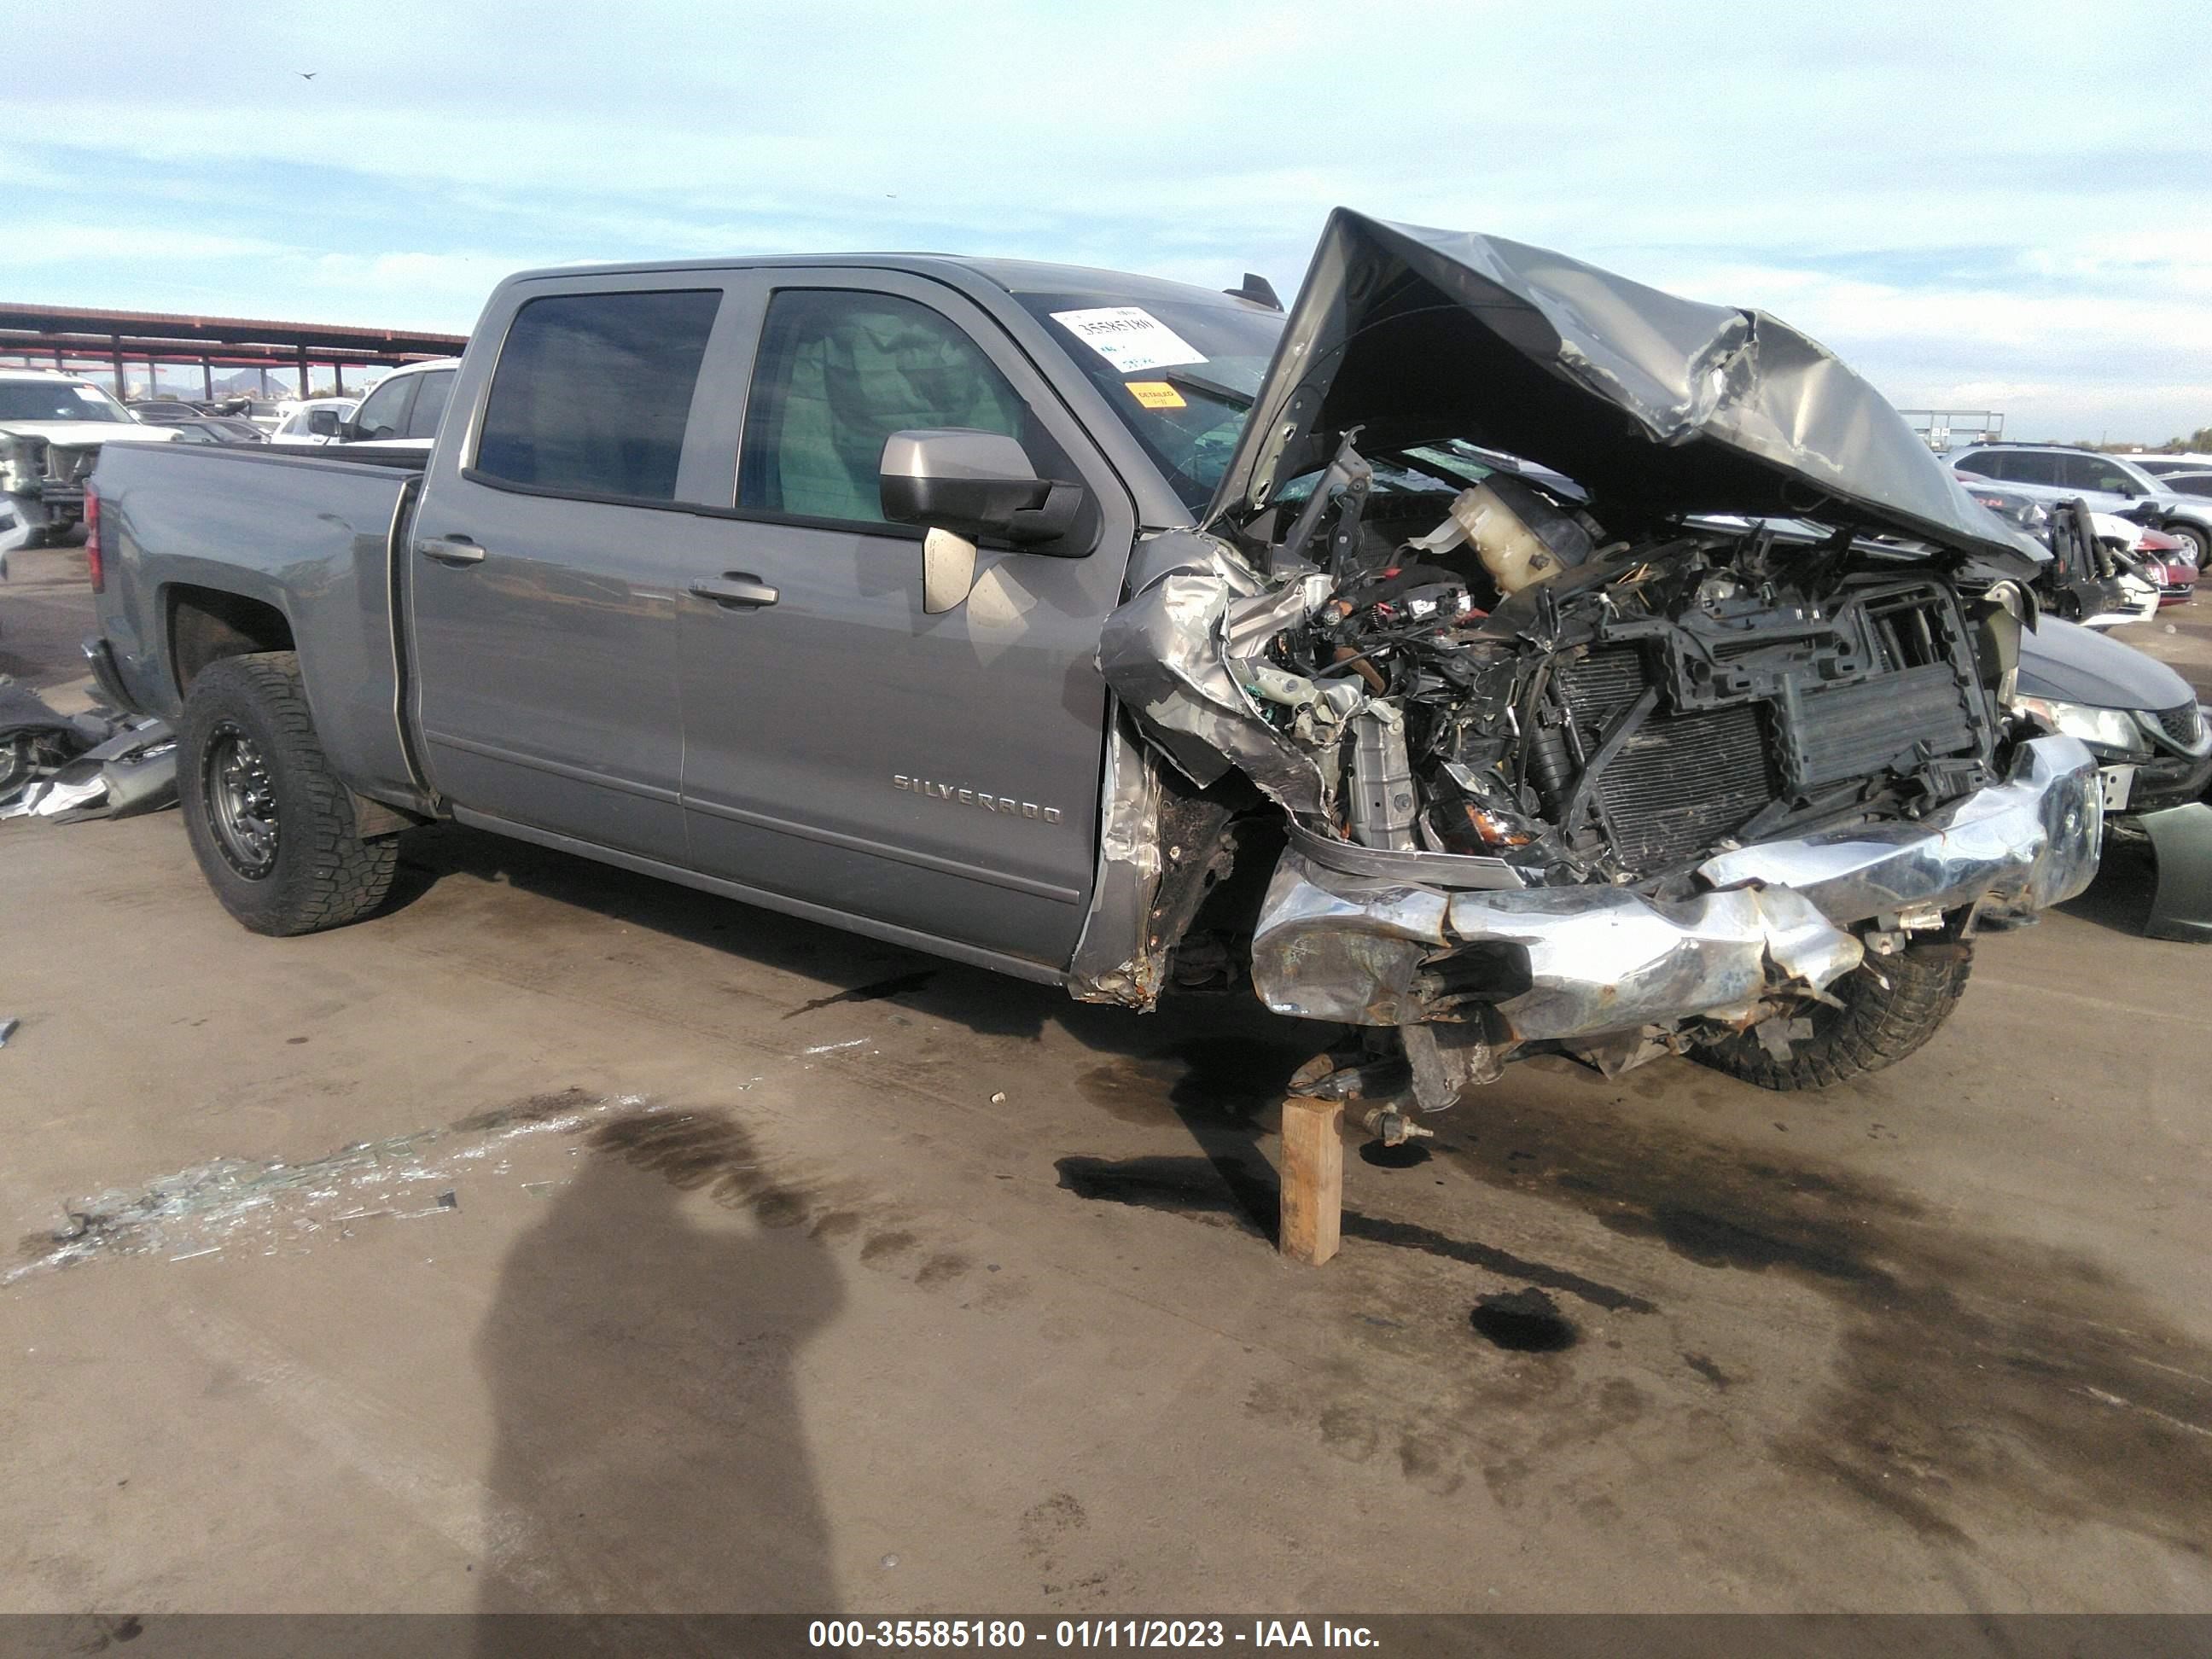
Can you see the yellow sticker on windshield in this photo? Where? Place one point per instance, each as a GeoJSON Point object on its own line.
{"type": "Point", "coordinates": [1156, 394]}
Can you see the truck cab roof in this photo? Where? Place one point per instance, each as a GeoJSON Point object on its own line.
{"type": "Point", "coordinates": [1015, 277]}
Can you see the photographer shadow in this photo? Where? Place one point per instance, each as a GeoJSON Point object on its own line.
{"type": "Point", "coordinates": [649, 1449]}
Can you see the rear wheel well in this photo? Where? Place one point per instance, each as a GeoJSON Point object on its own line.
{"type": "Point", "coordinates": [207, 624]}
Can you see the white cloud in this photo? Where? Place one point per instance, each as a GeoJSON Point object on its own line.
{"type": "Point", "coordinates": [1961, 201]}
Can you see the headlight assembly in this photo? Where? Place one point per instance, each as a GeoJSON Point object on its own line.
{"type": "Point", "coordinates": [2106, 728]}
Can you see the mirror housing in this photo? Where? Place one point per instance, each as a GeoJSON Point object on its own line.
{"type": "Point", "coordinates": [972, 484]}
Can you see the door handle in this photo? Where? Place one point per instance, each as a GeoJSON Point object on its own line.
{"type": "Point", "coordinates": [450, 549]}
{"type": "Point", "coordinates": [735, 589]}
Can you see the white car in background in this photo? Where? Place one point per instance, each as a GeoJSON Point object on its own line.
{"type": "Point", "coordinates": [401, 413]}
{"type": "Point", "coordinates": [51, 427]}
{"type": "Point", "coordinates": [2160, 466]}
{"type": "Point", "coordinates": [313, 420]}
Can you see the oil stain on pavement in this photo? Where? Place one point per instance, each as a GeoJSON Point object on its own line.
{"type": "Point", "coordinates": [1976, 1370]}
{"type": "Point", "coordinates": [1978, 1374]}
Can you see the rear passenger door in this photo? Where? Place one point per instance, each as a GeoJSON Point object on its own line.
{"type": "Point", "coordinates": [843, 748]}
{"type": "Point", "coordinates": [547, 558]}
{"type": "Point", "coordinates": [2031, 466]}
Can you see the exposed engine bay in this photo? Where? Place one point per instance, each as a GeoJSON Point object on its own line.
{"type": "Point", "coordinates": [1517, 684]}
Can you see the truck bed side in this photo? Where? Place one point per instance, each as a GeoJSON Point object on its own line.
{"type": "Point", "coordinates": [213, 552]}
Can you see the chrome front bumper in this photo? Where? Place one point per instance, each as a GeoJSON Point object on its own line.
{"type": "Point", "coordinates": [1584, 962]}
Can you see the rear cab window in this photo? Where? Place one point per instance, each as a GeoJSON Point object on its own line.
{"type": "Point", "coordinates": [592, 392]}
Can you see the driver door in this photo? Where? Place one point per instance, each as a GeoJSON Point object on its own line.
{"type": "Point", "coordinates": [843, 749]}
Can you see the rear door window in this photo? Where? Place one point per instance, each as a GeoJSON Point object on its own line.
{"type": "Point", "coordinates": [431, 392]}
{"type": "Point", "coordinates": [593, 392]}
{"type": "Point", "coordinates": [840, 371]}
{"type": "Point", "coordinates": [2031, 466]}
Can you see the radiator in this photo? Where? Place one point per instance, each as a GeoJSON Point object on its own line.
{"type": "Point", "coordinates": [1683, 781]}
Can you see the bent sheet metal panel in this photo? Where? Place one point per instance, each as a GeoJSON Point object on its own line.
{"type": "Point", "coordinates": [2181, 841]}
{"type": "Point", "coordinates": [1417, 334]}
{"type": "Point", "coordinates": [1163, 652]}
{"type": "Point", "coordinates": [1333, 946]}
{"type": "Point", "coordinates": [1600, 959]}
{"type": "Point", "coordinates": [2032, 840]}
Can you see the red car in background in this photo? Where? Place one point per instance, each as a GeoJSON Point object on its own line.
{"type": "Point", "coordinates": [2168, 561]}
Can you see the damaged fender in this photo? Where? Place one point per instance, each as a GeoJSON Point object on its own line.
{"type": "Point", "coordinates": [1167, 652]}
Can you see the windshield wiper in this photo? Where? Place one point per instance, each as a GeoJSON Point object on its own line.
{"type": "Point", "coordinates": [1199, 383]}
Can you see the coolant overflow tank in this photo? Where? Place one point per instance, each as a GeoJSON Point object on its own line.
{"type": "Point", "coordinates": [1520, 537]}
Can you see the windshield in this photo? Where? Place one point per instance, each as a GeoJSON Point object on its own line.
{"type": "Point", "coordinates": [1181, 374]}
{"type": "Point", "coordinates": [57, 400]}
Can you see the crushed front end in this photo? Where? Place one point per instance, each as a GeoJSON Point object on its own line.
{"type": "Point", "coordinates": [1598, 772]}
{"type": "Point", "coordinates": [1668, 794]}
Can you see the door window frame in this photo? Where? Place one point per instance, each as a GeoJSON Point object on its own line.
{"type": "Point", "coordinates": [706, 476]}
{"type": "Point", "coordinates": [758, 286]}
{"type": "Point", "coordinates": [705, 389]}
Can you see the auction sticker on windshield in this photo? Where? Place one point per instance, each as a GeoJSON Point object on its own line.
{"type": "Point", "coordinates": [1128, 336]}
{"type": "Point", "coordinates": [1156, 394]}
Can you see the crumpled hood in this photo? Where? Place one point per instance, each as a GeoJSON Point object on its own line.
{"type": "Point", "coordinates": [1656, 404]}
{"type": "Point", "coordinates": [79, 434]}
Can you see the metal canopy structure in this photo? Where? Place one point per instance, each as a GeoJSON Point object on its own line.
{"type": "Point", "coordinates": [64, 335]}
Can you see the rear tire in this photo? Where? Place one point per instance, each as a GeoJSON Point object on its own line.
{"type": "Point", "coordinates": [270, 824]}
{"type": "Point", "coordinates": [1877, 1026]}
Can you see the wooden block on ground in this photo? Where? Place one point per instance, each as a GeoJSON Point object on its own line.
{"type": "Point", "coordinates": [1313, 1179]}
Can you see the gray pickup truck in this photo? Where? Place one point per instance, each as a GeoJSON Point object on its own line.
{"type": "Point", "coordinates": [1491, 655]}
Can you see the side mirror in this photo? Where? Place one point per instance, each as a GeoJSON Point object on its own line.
{"type": "Point", "coordinates": [973, 484]}
{"type": "Point", "coordinates": [963, 485]}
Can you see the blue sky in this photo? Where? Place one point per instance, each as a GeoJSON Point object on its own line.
{"type": "Point", "coordinates": [2000, 206]}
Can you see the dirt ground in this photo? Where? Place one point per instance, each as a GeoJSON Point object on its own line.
{"type": "Point", "coordinates": [558, 1239]}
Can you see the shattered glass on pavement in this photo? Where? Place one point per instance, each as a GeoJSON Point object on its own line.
{"type": "Point", "coordinates": [268, 1208]}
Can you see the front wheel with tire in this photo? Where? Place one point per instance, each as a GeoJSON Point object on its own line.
{"type": "Point", "coordinates": [271, 825]}
{"type": "Point", "coordinates": [2199, 539]}
{"type": "Point", "coordinates": [1891, 1006]}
